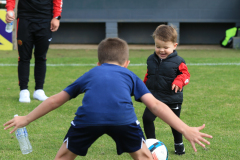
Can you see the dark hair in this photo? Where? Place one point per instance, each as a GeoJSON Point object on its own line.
{"type": "Point", "coordinates": [113, 50]}
{"type": "Point", "coordinates": [165, 33]}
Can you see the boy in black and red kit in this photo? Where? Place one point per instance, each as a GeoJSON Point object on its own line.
{"type": "Point", "coordinates": [166, 75]}
{"type": "Point", "coordinates": [36, 20]}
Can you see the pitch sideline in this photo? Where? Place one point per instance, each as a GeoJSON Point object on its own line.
{"type": "Point", "coordinates": [140, 64]}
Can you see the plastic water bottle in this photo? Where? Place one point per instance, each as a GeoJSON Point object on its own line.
{"type": "Point", "coordinates": [22, 137]}
{"type": "Point", "coordinates": [9, 26]}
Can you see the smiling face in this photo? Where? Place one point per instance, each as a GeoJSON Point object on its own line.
{"type": "Point", "coordinates": [164, 49]}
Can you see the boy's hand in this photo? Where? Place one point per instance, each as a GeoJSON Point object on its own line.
{"type": "Point", "coordinates": [194, 136]}
{"type": "Point", "coordinates": [176, 88]}
{"type": "Point", "coordinates": [17, 122]}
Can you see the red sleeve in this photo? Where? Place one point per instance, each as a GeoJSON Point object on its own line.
{"type": "Point", "coordinates": [57, 8]}
{"type": "Point", "coordinates": [182, 79]}
{"type": "Point", "coordinates": [10, 5]}
{"type": "Point", "coordinates": [146, 77]}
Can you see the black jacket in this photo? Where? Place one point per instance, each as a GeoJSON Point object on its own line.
{"type": "Point", "coordinates": [36, 9]}
{"type": "Point", "coordinates": [161, 74]}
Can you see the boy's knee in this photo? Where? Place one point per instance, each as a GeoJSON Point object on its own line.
{"type": "Point", "coordinates": [142, 154]}
{"type": "Point", "coordinates": [147, 119]}
{"type": "Point", "coordinates": [64, 153]}
{"type": "Point", "coordinates": [65, 156]}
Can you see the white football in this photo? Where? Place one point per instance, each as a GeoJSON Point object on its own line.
{"type": "Point", "coordinates": [158, 149]}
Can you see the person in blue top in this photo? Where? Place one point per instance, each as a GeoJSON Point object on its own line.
{"type": "Point", "coordinates": [107, 108]}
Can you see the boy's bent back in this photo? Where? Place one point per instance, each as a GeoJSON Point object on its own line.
{"type": "Point", "coordinates": [107, 100]}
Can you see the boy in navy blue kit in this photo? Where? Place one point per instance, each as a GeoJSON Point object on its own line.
{"type": "Point", "coordinates": [107, 108]}
{"type": "Point", "coordinates": [166, 75]}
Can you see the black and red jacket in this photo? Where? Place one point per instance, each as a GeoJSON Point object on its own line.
{"type": "Point", "coordinates": [162, 73]}
{"type": "Point", "coordinates": [36, 9]}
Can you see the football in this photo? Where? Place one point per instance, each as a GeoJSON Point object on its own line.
{"type": "Point", "coordinates": [158, 149]}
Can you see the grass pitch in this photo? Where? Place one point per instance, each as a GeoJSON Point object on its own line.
{"type": "Point", "coordinates": [211, 97]}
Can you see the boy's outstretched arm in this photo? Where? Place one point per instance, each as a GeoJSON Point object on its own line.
{"type": "Point", "coordinates": [162, 111]}
{"type": "Point", "coordinates": [46, 106]}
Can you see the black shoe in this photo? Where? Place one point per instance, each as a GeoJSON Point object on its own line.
{"type": "Point", "coordinates": [179, 149]}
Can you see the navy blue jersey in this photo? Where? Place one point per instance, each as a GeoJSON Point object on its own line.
{"type": "Point", "coordinates": [107, 101]}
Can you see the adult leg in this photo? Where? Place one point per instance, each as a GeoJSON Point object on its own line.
{"type": "Point", "coordinates": [142, 154]}
{"type": "Point", "coordinates": [148, 123]}
{"type": "Point", "coordinates": [25, 45]}
{"type": "Point", "coordinates": [42, 38]}
{"type": "Point", "coordinates": [64, 153]}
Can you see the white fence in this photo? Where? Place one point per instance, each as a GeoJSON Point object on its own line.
{"type": "Point", "coordinates": [2, 2]}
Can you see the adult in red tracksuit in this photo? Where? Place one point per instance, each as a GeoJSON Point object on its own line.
{"type": "Point", "coordinates": [36, 20]}
{"type": "Point", "coordinates": [161, 78]}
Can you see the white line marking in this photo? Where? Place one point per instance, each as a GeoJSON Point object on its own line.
{"type": "Point", "coordinates": [140, 64]}
{"type": "Point", "coordinates": [213, 64]}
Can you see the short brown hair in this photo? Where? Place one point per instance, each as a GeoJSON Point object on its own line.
{"type": "Point", "coordinates": [165, 33]}
{"type": "Point", "coordinates": [113, 50]}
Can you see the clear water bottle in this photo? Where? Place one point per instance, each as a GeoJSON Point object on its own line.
{"type": "Point", "coordinates": [9, 26]}
{"type": "Point", "coordinates": [22, 137]}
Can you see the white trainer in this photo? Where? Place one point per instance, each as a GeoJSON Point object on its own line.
{"type": "Point", "coordinates": [24, 96]}
{"type": "Point", "coordinates": [39, 95]}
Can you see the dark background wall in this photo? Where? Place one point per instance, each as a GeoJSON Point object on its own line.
{"type": "Point", "coordinates": [79, 33]}
{"type": "Point", "coordinates": [198, 21]}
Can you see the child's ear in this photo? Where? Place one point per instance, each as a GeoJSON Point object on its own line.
{"type": "Point", "coordinates": [175, 45]}
{"type": "Point", "coordinates": [126, 64]}
{"type": "Point", "coordinates": [98, 63]}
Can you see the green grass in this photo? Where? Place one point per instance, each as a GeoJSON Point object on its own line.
{"type": "Point", "coordinates": [211, 97]}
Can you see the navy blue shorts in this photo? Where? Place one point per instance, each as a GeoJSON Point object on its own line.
{"type": "Point", "coordinates": [128, 138]}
